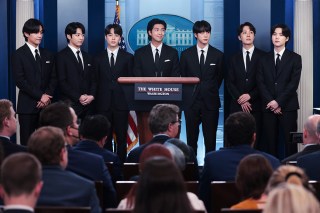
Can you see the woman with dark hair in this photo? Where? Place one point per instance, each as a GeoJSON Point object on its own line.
{"type": "Point", "coordinates": [161, 188]}
{"type": "Point", "coordinates": [252, 177]}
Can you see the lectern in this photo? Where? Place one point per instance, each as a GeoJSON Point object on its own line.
{"type": "Point", "coordinates": [142, 93]}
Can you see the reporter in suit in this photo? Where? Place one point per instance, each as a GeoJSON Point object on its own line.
{"type": "Point", "coordinates": [76, 79]}
{"type": "Point", "coordinates": [8, 127]}
{"type": "Point", "coordinates": [154, 60]}
{"type": "Point", "coordinates": [278, 80]}
{"type": "Point", "coordinates": [241, 77]}
{"type": "Point", "coordinates": [204, 101]}
{"type": "Point", "coordinates": [109, 65]}
{"type": "Point", "coordinates": [34, 74]}
{"type": "Point", "coordinates": [60, 187]}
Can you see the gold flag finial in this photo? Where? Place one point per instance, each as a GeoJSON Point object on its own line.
{"type": "Point", "coordinates": [117, 2]}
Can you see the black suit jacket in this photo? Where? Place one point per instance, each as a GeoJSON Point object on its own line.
{"type": "Point", "coordinates": [210, 79]}
{"type": "Point", "coordinates": [32, 82]}
{"type": "Point", "coordinates": [240, 82]}
{"type": "Point", "coordinates": [307, 150]}
{"type": "Point", "coordinates": [280, 86]}
{"type": "Point", "coordinates": [144, 65]}
{"type": "Point", "coordinates": [9, 147]}
{"type": "Point", "coordinates": [310, 164]}
{"type": "Point", "coordinates": [109, 90]}
{"type": "Point", "coordinates": [73, 81]}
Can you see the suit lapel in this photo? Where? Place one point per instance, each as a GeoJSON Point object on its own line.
{"type": "Point", "coordinates": [239, 59]}
{"type": "Point", "coordinates": [74, 59]}
{"type": "Point", "coordinates": [31, 58]}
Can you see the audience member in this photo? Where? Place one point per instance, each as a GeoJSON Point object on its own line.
{"type": "Point", "coordinates": [85, 164]}
{"type": "Point", "coordinates": [94, 131]}
{"type": "Point", "coordinates": [60, 187]}
{"type": "Point", "coordinates": [164, 124]}
{"type": "Point", "coordinates": [289, 198]}
{"type": "Point", "coordinates": [221, 165]}
{"type": "Point", "coordinates": [150, 152]}
{"type": "Point", "coordinates": [309, 162]}
{"type": "Point", "coordinates": [310, 139]}
{"type": "Point", "coordinates": [252, 177]}
{"type": "Point", "coordinates": [20, 182]}
{"type": "Point", "coordinates": [161, 188]}
{"type": "Point", "coordinates": [290, 174]}
{"type": "Point", "coordinates": [8, 127]}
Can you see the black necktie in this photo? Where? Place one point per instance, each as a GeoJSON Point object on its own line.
{"type": "Point", "coordinates": [79, 59]}
{"type": "Point", "coordinates": [247, 61]}
{"type": "Point", "coordinates": [38, 59]}
{"type": "Point", "coordinates": [112, 61]}
{"type": "Point", "coordinates": [156, 59]}
{"type": "Point", "coordinates": [277, 62]}
{"type": "Point", "coordinates": [202, 59]}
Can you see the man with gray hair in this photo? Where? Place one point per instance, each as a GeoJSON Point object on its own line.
{"type": "Point", "coordinates": [310, 139]}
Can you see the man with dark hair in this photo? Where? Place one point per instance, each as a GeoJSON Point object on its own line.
{"type": "Point", "coordinates": [60, 188]}
{"type": "Point", "coordinates": [164, 124]}
{"type": "Point", "coordinates": [310, 139]}
{"type": "Point", "coordinates": [241, 79]}
{"type": "Point", "coordinates": [21, 182]}
{"type": "Point", "coordinates": [109, 65]}
{"type": "Point", "coordinates": [221, 165]}
{"type": "Point", "coordinates": [278, 79]}
{"type": "Point", "coordinates": [205, 62]}
{"type": "Point", "coordinates": [155, 59]}
{"type": "Point", "coordinates": [76, 79]}
{"type": "Point", "coordinates": [85, 164]}
{"type": "Point", "coordinates": [94, 132]}
{"type": "Point", "coordinates": [33, 72]}
{"type": "Point", "coordinates": [8, 127]}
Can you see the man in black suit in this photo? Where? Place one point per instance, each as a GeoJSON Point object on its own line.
{"type": "Point", "coordinates": [60, 187]}
{"type": "Point", "coordinates": [154, 60]}
{"type": "Point", "coordinates": [76, 79]}
{"type": "Point", "coordinates": [8, 127]}
{"type": "Point", "coordinates": [21, 183]}
{"type": "Point", "coordinates": [310, 139]}
{"type": "Point", "coordinates": [278, 79]}
{"type": "Point", "coordinates": [111, 64]}
{"type": "Point", "coordinates": [33, 72]}
{"type": "Point", "coordinates": [85, 164]}
{"type": "Point", "coordinates": [206, 63]}
{"type": "Point", "coordinates": [241, 78]}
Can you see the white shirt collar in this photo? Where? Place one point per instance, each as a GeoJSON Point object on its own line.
{"type": "Point", "coordinates": [205, 49]}
{"type": "Point", "coordinates": [32, 48]}
{"type": "Point", "coordinates": [244, 51]}
{"type": "Point", "coordinates": [74, 50]}
{"type": "Point", "coordinates": [18, 206]}
{"type": "Point", "coordinates": [153, 48]}
{"type": "Point", "coordinates": [281, 53]}
{"type": "Point", "coordinates": [115, 52]}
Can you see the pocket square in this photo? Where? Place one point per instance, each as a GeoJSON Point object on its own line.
{"type": "Point", "coordinates": [212, 64]}
{"type": "Point", "coordinates": [89, 65]}
{"type": "Point", "coordinates": [48, 62]}
{"type": "Point", "coordinates": [167, 60]}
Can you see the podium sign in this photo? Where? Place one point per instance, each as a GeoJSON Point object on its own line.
{"type": "Point", "coordinates": [156, 91]}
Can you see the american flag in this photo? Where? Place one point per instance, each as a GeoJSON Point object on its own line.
{"type": "Point", "coordinates": [132, 133]}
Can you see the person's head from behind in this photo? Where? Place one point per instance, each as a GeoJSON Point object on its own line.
{"type": "Point", "coordinates": [60, 115]}
{"type": "Point", "coordinates": [177, 155]}
{"type": "Point", "coordinates": [288, 174]}
{"type": "Point", "coordinates": [161, 188]}
{"type": "Point", "coordinates": [310, 135]}
{"type": "Point", "coordinates": [240, 129]}
{"type": "Point", "coordinates": [280, 34]}
{"type": "Point", "coordinates": [75, 33]}
{"type": "Point", "coordinates": [21, 176]}
{"type": "Point", "coordinates": [290, 198]}
{"type": "Point", "coordinates": [154, 150]}
{"type": "Point", "coordinates": [48, 145]}
{"type": "Point", "coordinates": [252, 175]}
{"type": "Point", "coordinates": [33, 31]}
{"type": "Point", "coordinates": [113, 34]}
{"type": "Point", "coordinates": [95, 128]}
{"type": "Point", "coordinates": [156, 29]}
{"type": "Point", "coordinates": [183, 147]}
{"type": "Point", "coordinates": [8, 121]}
{"type": "Point", "coordinates": [246, 33]}
{"type": "Point", "coordinates": [202, 32]}
{"type": "Point", "coordinates": [164, 119]}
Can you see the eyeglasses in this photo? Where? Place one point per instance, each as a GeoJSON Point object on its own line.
{"type": "Point", "coordinates": [178, 121]}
